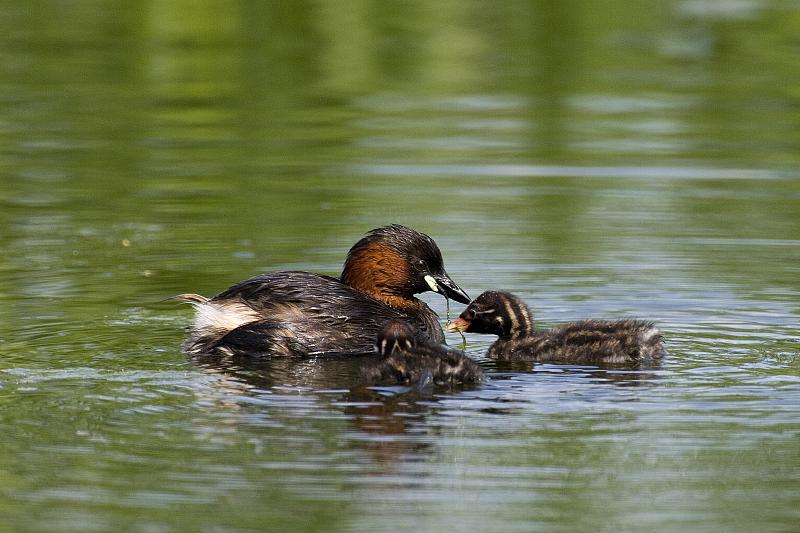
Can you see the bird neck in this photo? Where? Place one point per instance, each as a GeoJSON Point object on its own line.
{"type": "Point", "coordinates": [379, 271]}
{"type": "Point", "coordinates": [518, 321]}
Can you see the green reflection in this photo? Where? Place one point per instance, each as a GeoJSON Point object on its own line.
{"type": "Point", "coordinates": [600, 158]}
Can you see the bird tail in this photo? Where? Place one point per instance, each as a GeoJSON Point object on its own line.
{"type": "Point", "coordinates": [194, 299]}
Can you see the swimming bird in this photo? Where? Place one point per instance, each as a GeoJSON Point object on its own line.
{"type": "Point", "coordinates": [408, 360]}
{"type": "Point", "coordinates": [301, 313]}
{"type": "Point", "coordinates": [622, 342]}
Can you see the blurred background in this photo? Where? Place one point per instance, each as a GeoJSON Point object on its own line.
{"type": "Point", "coordinates": [599, 158]}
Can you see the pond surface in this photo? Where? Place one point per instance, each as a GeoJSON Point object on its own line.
{"type": "Point", "coordinates": [599, 159]}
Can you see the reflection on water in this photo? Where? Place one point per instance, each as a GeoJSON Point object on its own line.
{"type": "Point", "coordinates": [391, 424]}
{"type": "Point", "coordinates": [598, 159]}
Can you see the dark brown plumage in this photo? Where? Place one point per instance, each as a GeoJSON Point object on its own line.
{"type": "Point", "coordinates": [408, 360]}
{"type": "Point", "coordinates": [300, 313]}
{"type": "Point", "coordinates": [621, 342]}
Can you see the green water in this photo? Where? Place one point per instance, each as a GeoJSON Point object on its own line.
{"type": "Point", "coordinates": [600, 159]}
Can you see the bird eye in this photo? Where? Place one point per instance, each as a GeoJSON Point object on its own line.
{"type": "Point", "coordinates": [470, 314]}
{"type": "Point", "coordinates": [421, 264]}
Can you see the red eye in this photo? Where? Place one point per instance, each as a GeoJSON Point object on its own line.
{"type": "Point", "coordinates": [470, 314]}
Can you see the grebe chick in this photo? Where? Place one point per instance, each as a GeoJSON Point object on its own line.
{"type": "Point", "coordinates": [406, 360]}
{"type": "Point", "coordinates": [300, 313]}
{"type": "Point", "coordinates": [623, 342]}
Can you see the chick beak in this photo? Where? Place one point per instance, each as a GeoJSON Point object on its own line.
{"type": "Point", "coordinates": [458, 325]}
{"type": "Point", "coordinates": [445, 286]}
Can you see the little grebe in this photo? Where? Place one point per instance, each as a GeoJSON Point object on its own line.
{"type": "Point", "coordinates": [406, 360]}
{"type": "Point", "coordinates": [628, 342]}
{"type": "Point", "coordinates": [300, 313]}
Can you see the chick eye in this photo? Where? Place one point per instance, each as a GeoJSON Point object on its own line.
{"type": "Point", "coordinates": [470, 314]}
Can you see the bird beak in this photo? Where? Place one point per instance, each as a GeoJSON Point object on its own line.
{"type": "Point", "coordinates": [445, 286]}
{"type": "Point", "coordinates": [459, 324]}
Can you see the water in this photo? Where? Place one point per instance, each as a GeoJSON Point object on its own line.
{"type": "Point", "coordinates": [600, 159]}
